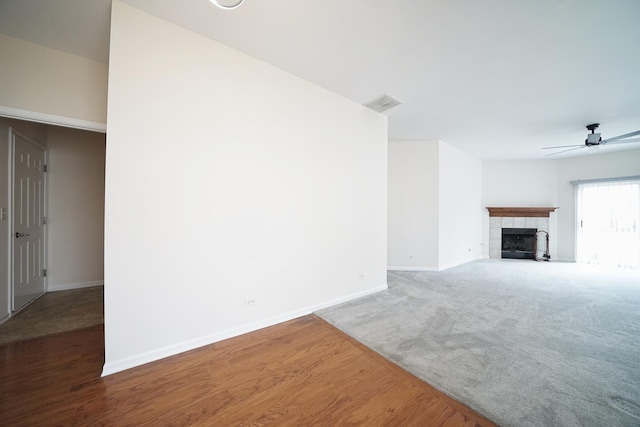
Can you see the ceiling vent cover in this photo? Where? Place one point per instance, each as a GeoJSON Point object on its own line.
{"type": "Point", "coordinates": [383, 103]}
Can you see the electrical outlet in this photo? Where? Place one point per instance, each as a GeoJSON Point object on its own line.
{"type": "Point", "coordinates": [249, 302]}
{"type": "Point", "coordinates": [409, 256]}
{"type": "Point", "coordinates": [361, 276]}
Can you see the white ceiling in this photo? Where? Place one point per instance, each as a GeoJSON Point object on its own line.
{"type": "Point", "coordinates": [497, 78]}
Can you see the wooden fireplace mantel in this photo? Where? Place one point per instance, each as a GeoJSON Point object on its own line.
{"type": "Point", "coordinates": [521, 212]}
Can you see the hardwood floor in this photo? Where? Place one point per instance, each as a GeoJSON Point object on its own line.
{"type": "Point", "coordinates": [302, 372]}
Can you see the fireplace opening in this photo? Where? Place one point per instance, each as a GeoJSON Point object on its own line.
{"type": "Point", "coordinates": [519, 243]}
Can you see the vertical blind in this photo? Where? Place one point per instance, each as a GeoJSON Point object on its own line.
{"type": "Point", "coordinates": [609, 223]}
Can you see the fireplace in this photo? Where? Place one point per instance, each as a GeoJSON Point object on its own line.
{"type": "Point", "coordinates": [519, 243]}
{"type": "Point", "coordinates": [536, 218]}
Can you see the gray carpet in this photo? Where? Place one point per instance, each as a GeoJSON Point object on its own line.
{"type": "Point", "coordinates": [523, 343]}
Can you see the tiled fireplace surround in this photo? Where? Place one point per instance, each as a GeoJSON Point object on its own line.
{"type": "Point", "coordinates": [537, 218]}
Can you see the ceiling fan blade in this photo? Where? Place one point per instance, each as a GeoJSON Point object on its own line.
{"type": "Point", "coordinates": [620, 142]}
{"type": "Point", "coordinates": [626, 135]}
{"type": "Point", "coordinates": [564, 151]}
{"type": "Point", "coordinates": [563, 146]}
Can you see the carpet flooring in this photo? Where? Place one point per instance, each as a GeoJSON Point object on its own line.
{"type": "Point", "coordinates": [523, 343]}
{"type": "Point", "coordinates": [55, 312]}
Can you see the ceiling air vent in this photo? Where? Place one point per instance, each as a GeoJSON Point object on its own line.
{"type": "Point", "coordinates": [382, 103]}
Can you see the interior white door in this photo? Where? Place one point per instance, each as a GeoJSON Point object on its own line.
{"type": "Point", "coordinates": [28, 215]}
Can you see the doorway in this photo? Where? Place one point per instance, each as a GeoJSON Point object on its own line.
{"type": "Point", "coordinates": [609, 223]}
{"type": "Point", "coordinates": [71, 246]}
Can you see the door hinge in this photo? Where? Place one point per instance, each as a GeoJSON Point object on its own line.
{"type": "Point", "coordinates": [45, 168]}
{"type": "Point", "coordinates": [44, 220]}
{"type": "Point", "coordinates": [44, 272]}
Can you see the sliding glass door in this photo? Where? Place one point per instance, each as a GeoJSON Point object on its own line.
{"type": "Point", "coordinates": [609, 223]}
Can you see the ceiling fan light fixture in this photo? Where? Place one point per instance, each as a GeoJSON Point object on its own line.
{"type": "Point", "coordinates": [222, 5]}
{"type": "Point", "coordinates": [593, 139]}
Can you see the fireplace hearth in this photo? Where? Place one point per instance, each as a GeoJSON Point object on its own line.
{"type": "Point", "coordinates": [519, 243]}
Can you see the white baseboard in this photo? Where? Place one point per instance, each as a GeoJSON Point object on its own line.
{"type": "Point", "coordinates": [455, 264]}
{"type": "Point", "coordinates": [564, 260]}
{"type": "Point", "coordinates": [151, 356]}
{"type": "Point", "coordinates": [5, 318]}
{"type": "Point", "coordinates": [395, 268]}
{"type": "Point", "coordinates": [69, 286]}
{"type": "Point", "coordinates": [446, 267]}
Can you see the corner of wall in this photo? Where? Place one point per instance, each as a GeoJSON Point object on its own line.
{"type": "Point", "coordinates": [460, 207]}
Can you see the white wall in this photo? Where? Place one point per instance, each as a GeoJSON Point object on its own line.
{"type": "Point", "coordinates": [460, 207]}
{"type": "Point", "coordinates": [76, 208]}
{"type": "Point", "coordinates": [413, 205]}
{"type": "Point", "coordinates": [434, 206]}
{"type": "Point", "coordinates": [51, 86]}
{"type": "Point", "coordinates": [227, 180]}
{"type": "Point", "coordinates": [592, 166]}
{"type": "Point", "coordinates": [38, 133]}
{"type": "Point", "coordinates": [520, 183]}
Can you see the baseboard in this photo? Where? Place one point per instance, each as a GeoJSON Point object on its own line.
{"type": "Point", "coordinates": [394, 268]}
{"type": "Point", "coordinates": [455, 264]}
{"type": "Point", "coordinates": [5, 318]}
{"type": "Point", "coordinates": [152, 356]}
{"type": "Point", "coordinates": [564, 260]}
{"type": "Point", "coordinates": [69, 286]}
{"type": "Point", "coordinates": [446, 267]}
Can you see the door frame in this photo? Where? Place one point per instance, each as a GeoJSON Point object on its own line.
{"type": "Point", "coordinates": [10, 216]}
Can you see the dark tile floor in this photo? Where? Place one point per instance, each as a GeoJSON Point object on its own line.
{"type": "Point", "coordinates": [56, 312]}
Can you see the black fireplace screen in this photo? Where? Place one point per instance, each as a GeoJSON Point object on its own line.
{"type": "Point", "coordinates": [518, 243]}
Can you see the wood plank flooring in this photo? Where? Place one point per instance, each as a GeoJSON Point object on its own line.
{"type": "Point", "coordinates": [302, 372]}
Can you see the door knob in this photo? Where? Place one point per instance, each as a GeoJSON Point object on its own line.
{"type": "Point", "coordinates": [18, 235]}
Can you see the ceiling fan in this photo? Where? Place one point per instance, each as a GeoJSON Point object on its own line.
{"type": "Point", "coordinates": [594, 139]}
